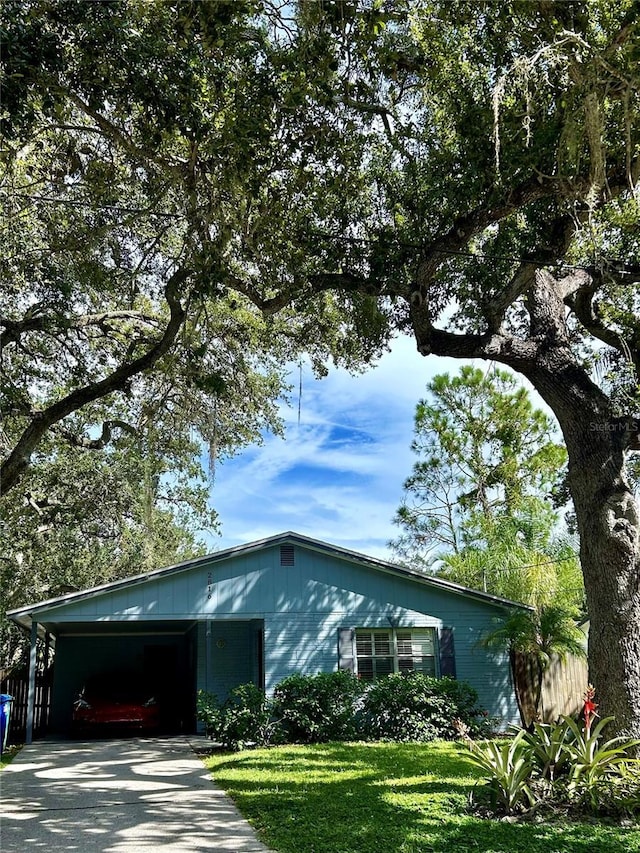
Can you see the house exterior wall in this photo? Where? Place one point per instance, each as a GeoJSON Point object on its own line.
{"type": "Point", "coordinates": [301, 608]}
{"type": "Point", "coordinates": [227, 655]}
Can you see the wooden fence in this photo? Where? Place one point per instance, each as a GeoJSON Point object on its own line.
{"type": "Point", "coordinates": [563, 686]}
{"type": "Point", "coordinates": [17, 686]}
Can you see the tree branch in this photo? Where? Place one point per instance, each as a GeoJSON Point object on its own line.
{"type": "Point", "coordinates": [468, 225]}
{"type": "Point", "coordinates": [17, 461]}
{"type": "Point", "coordinates": [95, 443]}
{"type": "Point", "coordinates": [547, 310]}
{"type": "Point", "coordinates": [115, 133]}
{"type": "Point", "coordinates": [14, 329]}
{"type": "Point", "coordinates": [580, 299]}
{"type": "Point", "coordinates": [495, 310]}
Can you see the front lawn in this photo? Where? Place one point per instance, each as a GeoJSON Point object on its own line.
{"type": "Point", "coordinates": [387, 798]}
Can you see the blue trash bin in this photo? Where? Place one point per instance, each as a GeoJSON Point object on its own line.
{"type": "Point", "coordinates": [5, 714]}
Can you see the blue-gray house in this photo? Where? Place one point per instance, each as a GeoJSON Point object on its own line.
{"type": "Point", "coordinates": [261, 611]}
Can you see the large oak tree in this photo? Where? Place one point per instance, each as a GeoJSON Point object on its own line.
{"type": "Point", "coordinates": [323, 174]}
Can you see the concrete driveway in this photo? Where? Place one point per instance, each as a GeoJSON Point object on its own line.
{"type": "Point", "coordinates": [117, 796]}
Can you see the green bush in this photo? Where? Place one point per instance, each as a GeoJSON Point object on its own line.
{"type": "Point", "coordinates": [565, 764]}
{"type": "Point", "coordinates": [418, 707]}
{"type": "Point", "coordinates": [594, 764]}
{"type": "Point", "coordinates": [209, 712]}
{"type": "Point", "coordinates": [318, 708]}
{"type": "Point", "coordinates": [244, 719]}
{"type": "Point", "coordinates": [336, 706]}
{"type": "Point", "coordinates": [508, 767]}
{"type": "Point", "coordinates": [548, 748]}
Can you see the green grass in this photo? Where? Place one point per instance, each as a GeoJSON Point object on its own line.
{"type": "Point", "coordinates": [387, 798]}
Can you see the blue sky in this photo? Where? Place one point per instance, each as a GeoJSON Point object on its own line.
{"type": "Point", "coordinates": [337, 476]}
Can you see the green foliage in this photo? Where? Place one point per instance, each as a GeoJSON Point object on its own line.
{"type": "Point", "coordinates": [508, 768]}
{"type": "Point", "coordinates": [551, 630]}
{"type": "Point", "coordinates": [417, 707]}
{"type": "Point", "coordinates": [244, 719]}
{"type": "Point", "coordinates": [209, 712]}
{"type": "Point", "coordinates": [522, 560]}
{"type": "Point", "coordinates": [81, 518]}
{"type": "Point", "coordinates": [487, 461]}
{"type": "Point", "coordinates": [157, 272]}
{"type": "Point", "coordinates": [317, 708]}
{"type": "Point", "coordinates": [359, 797]}
{"type": "Point", "coordinates": [563, 764]}
{"type": "Point", "coordinates": [592, 761]}
{"type": "Point", "coordinates": [548, 748]}
{"type": "Point", "coordinates": [336, 707]}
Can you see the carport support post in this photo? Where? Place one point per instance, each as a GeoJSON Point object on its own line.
{"type": "Point", "coordinates": [207, 654]}
{"type": "Point", "coordinates": [31, 696]}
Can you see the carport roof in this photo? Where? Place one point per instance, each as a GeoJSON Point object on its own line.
{"type": "Point", "coordinates": [24, 616]}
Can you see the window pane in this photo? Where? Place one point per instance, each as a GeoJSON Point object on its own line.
{"type": "Point", "coordinates": [422, 643]}
{"type": "Point", "coordinates": [376, 648]}
{"type": "Point", "coordinates": [404, 643]}
{"type": "Point", "coordinates": [424, 665]}
{"type": "Point", "coordinates": [363, 644]}
{"type": "Point", "coordinates": [365, 669]}
{"type": "Point", "coordinates": [384, 666]}
{"type": "Point", "coordinates": [382, 644]}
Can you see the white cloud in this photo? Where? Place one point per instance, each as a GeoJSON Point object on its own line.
{"type": "Point", "coordinates": [338, 474]}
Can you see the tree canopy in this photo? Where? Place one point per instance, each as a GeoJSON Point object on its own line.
{"type": "Point", "coordinates": [140, 267]}
{"type": "Point", "coordinates": [181, 181]}
{"type": "Point", "coordinates": [484, 454]}
{"type": "Point", "coordinates": [137, 142]}
{"type": "Point", "coordinates": [478, 507]}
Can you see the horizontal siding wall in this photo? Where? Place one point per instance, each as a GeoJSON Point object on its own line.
{"type": "Point", "coordinates": [226, 656]}
{"type": "Point", "coordinates": [313, 648]}
{"type": "Point", "coordinates": [302, 607]}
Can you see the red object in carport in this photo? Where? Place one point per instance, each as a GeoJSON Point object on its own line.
{"type": "Point", "coordinates": [91, 711]}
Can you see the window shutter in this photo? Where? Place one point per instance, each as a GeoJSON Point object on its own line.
{"type": "Point", "coordinates": [447, 654]}
{"type": "Point", "coordinates": [345, 649]}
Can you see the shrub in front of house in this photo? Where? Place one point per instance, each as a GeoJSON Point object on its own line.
{"type": "Point", "coordinates": [318, 708]}
{"type": "Point", "coordinates": [416, 707]}
{"type": "Point", "coordinates": [563, 766]}
{"type": "Point", "coordinates": [244, 719]}
{"type": "Point", "coordinates": [336, 706]}
{"type": "Point", "coordinates": [209, 712]}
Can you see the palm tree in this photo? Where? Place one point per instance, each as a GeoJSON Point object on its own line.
{"type": "Point", "coordinates": [537, 634]}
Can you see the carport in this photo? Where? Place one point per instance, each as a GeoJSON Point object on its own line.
{"type": "Point", "coordinates": [151, 630]}
{"type": "Point", "coordinates": [158, 656]}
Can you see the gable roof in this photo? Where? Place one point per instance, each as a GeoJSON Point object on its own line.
{"type": "Point", "coordinates": [23, 616]}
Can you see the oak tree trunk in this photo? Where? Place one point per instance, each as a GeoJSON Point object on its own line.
{"type": "Point", "coordinates": [609, 528]}
{"type": "Point", "coordinates": [597, 442]}
{"type": "Point", "coordinates": [607, 516]}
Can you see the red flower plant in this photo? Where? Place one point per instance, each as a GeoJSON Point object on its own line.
{"type": "Point", "coordinates": [589, 708]}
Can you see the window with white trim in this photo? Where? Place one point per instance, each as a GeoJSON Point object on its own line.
{"type": "Point", "coordinates": [380, 652]}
